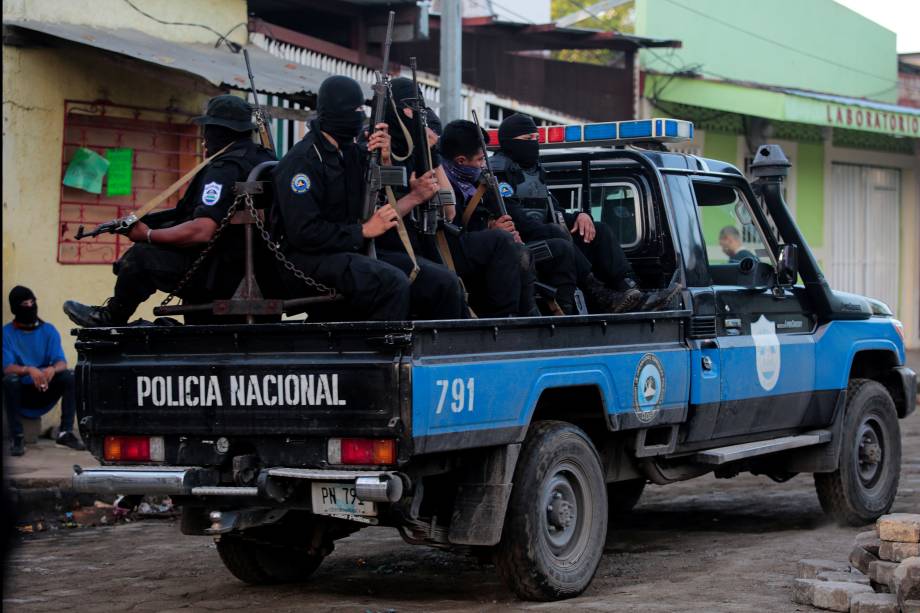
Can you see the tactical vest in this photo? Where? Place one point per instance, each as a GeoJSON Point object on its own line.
{"type": "Point", "coordinates": [527, 186]}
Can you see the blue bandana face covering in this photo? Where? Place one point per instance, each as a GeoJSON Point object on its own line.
{"type": "Point", "coordinates": [464, 178]}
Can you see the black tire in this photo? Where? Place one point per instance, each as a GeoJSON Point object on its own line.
{"type": "Point", "coordinates": [556, 522]}
{"type": "Point", "coordinates": [623, 496]}
{"type": "Point", "coordinates": [265, 564]}
{"type": "Point", "coordinates": [865, 484]}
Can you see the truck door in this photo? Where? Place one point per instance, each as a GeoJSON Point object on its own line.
{"type": "Point", "coordinates": [764, 334]}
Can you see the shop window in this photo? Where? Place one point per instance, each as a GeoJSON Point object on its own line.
{"type": "Point", "coordinates": [164, 146]}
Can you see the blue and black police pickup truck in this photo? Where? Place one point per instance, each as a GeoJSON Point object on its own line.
{"type": "Point", "coordinates": [518, 438]}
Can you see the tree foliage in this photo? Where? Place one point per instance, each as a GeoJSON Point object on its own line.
{"type": "Point", "coordinates": [619, 19]}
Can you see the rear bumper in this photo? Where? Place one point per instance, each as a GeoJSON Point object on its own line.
{"type": "Point", "coordinates": [371, 486]}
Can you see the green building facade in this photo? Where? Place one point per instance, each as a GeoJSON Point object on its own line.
{"type": "Point", "coordinates": [821, 81]}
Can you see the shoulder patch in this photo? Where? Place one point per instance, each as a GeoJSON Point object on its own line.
{"type": "Point", "coordinates": [300, 183]}
{"type": "Point", "coordinates": [211, 193]}
{"type": "Point", "coordinates": [505, 189]}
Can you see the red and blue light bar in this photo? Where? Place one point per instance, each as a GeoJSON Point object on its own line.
{"type": "Point", "coordinates": [611, 133]}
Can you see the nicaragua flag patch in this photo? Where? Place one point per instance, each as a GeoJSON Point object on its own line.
{"type": "Point", "coordinates": [211, 193]}
{"type": "Point", "coordinates": [505, 189]}
{"type": "Point", "coordinates": [300, 183]}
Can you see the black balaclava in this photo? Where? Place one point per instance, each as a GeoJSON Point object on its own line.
{"type": "Point", "coordinates": [338, 109]}
{"type": "Point", "coordinates": [217, 137]}
{"type": "Point", "coordinates": [26, 316]}
{"type": "Point", "coordinates": [524, 152]}
{"type": "Point", "coordinates": [403, 130]}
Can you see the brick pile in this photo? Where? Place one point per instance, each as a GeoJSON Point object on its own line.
{"type": "Point", "coordinates": [882, 576]}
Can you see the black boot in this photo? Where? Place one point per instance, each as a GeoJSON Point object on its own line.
{"type": "Point", "coordinates": [602, 299]}
{"type": "Point", "coordinates": [663, 299]}
{"type": "Point", "coordinates": [95, 316]}
{"type": "Point", "coordinates": [17, 447]}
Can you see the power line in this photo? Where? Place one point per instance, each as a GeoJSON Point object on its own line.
{"type": "Point", "coordinates": [779, 44]}
{"type": "Point", "coordinates": [221, 38]}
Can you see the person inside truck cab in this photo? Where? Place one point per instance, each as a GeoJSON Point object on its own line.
{"type": "Point", "coordinates": [167, 243]}
{"type": "Point", "coordinates": [603, 271]}
{"type": "Point", "coordinates": [316, 217]}
{"type": "Point", "coordinates": [489, 253]}
{"type": "Point", "coordinates": [730, 241]}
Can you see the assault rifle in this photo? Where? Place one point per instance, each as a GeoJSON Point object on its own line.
{"type": "Point", "coordinates": [265, 134]}
{"type": "Point", "coordinates": [539, 250]}
{"type": "Point", "coordinates": [377, 177]}
{"type": "Point", "coordinates": [432, 212]}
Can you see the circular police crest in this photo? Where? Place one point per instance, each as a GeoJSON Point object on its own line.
{"type": "Point", "coordinates": [505, 189]}
{"type": "Point", "coordinates": [648, 388]}
{"type": "Point", "coordinates": [300, 183]}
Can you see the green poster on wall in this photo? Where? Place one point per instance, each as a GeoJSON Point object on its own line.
{"type": "Point", "coordinates": [120, 171]}
{"type": "Point", "coordinates": [86, 170]}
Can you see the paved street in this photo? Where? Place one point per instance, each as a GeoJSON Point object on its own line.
{"type": "Point", "coordinates": [702, 545]}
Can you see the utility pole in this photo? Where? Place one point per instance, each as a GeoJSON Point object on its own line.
{"type": "Point", "coordinates": [451, 54]}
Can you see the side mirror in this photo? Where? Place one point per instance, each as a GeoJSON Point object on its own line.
{"type": "Point", "coordinates": [788, 266]}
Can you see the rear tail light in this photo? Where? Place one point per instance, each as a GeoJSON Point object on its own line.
{"type": "Point", "coordinates": [134, 449]}
{"type": "Point", "coordinates": [899, 328]}
{"type": "Point", "coordinates": [364, 451]}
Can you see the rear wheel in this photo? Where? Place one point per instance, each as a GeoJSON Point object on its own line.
{"type": "Point", "coordinates": [865, 483]}
{"type": "Point", "coordinates": [556, 520]}
{"type": "Point", "coordinates": [623, 496]}
{"type": "Point", "coordinates": [265, 563]}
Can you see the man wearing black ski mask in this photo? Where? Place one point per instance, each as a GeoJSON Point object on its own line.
{"type": "Point", "coordinates": [603, 271]}
{"type": "Point", "coordinates": [35, 374]}
{"type": "Point", "coordinates": [168, 242]}
{"type": "Point", "coordinates": [316, 217]}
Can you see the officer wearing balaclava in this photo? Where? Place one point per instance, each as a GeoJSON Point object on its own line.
{"type": "Point", "coordinates": [166, 243]}
{"type": "Point", "coordinates": [602, 269]}
{"type": "Point", "coordinates": [316, 218]}
{"type": "Point", "coordinates": [35, 374]}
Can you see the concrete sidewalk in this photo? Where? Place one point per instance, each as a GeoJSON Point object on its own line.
{"type": "Point", "coordinates": [45, 464]}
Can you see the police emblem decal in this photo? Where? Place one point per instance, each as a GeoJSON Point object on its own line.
{"type": "Point", "coordinates": [300, 183]}
{"type": "Point", "coordinates": [505, 189]}
{"type": "Point", "coordinates": [648, 388]}
{"type": "Point", "coordinates": [767, 352]}
{"type": "Point", "coordinates": [211, 193]}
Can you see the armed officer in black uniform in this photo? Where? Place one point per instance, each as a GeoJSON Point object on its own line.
{"type": "Point", "coordinates": [316, 217]}
{"type": "Point", "coordinates": [603, 271]}
{"type": "Point", "coordinates": [166, 243]}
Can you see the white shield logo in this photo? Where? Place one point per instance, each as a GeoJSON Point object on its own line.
{"type": "Point", "coordinates": [767, 348]}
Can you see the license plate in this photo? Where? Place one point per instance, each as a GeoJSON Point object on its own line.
{"type": "Point", "coordinates": [340, 500]}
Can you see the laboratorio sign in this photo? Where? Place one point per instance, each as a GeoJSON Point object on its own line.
{"type": "Point", "coordinates": [895, 124]}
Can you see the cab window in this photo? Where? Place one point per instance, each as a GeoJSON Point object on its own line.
{"type": "Point", "coordinates": [615, 204]}
{"type": "Point", "coordinates": [730, 230]}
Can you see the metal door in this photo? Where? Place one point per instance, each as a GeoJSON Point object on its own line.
{"type": "Point", "coordinates": [865, 219]}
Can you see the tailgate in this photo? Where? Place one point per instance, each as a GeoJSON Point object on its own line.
{"type": "Point", "coordinates": [229, 380]}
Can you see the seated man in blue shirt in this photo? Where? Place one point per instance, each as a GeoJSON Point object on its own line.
{"type": "Point", "coordinates": [35, 374]}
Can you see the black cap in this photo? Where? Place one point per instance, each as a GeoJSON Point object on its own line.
{"type": "Point", "coordinates": [229, 111]}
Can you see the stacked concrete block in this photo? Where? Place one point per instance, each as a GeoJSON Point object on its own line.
{"type": "Point", "coordinates": [883, 574]}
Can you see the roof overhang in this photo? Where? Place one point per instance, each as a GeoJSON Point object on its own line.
{"type": "Point", "coordinates": [783, 104]}
{"type": "Point", "coordinates": [219, 66]}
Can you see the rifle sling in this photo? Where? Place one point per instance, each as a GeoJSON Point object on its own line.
{"type": "Point", "coordinates": [172, 189]}
{"type": "Point", "coordinates": [473, 204]}
{"type": "Point", "coordinates": [403, 235]}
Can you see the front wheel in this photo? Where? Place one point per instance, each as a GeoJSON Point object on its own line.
{"type": "Point", "coordinates": [556, 521]}
{"type": "Point", "coordinates": [865, 484]}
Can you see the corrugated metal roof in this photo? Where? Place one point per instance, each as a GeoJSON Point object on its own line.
{"type": "Point", "coordinates": [219, 66]}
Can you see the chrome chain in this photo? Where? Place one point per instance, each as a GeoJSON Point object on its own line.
{"type": "Point", "coordinates": [203, 255]}
{"type": "Point", "coordinates": [276, 251]}
{"type": "Point", "coordinates": [272, 246]}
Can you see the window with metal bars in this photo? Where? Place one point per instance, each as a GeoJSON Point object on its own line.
{"type": "Point", "coordinates": [164, 147]}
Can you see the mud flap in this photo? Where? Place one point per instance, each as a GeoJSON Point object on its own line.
{"type": "Point", "coordinates": [482, 498]}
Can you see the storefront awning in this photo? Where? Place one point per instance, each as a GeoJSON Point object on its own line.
{"type": "Point", "coordinates": [218, 65]}
{"type": "Point", "coordinates": [782, 104]}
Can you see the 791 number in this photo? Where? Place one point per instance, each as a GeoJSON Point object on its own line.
{"type": "Point", "coordinates": [462, 394]}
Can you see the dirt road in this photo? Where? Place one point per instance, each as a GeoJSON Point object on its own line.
{"type": "Point", "coordinates": [702, 545]}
